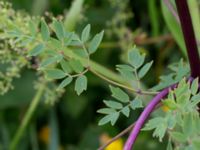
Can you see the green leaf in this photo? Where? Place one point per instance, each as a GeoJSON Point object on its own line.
{"type": "Point", "coordinates": [126, 74]}
{"type": "Point", "coordinates": [106, 111]}
{"type": "Point", "coordinates": [119, 94]}
{"type": "Point", "coordinates": [15, 33]}
{"type": "Point", "coordinates": [187, 124]}
{"type": "Point", "coordinates": [195, 16]}
{"type": "Point", "coordinates": [174, 27]}
{"type": "Point", "coordinates": [76, 65]}
{"type": "Point", "coordinates": [171, 121]}
{"type": "Point", "coordinates": [153, 123]}
{"type": "Point", "coordinates": [26, 41]}
{"type": "Point", "coordinates": [113, 104]}
{"type": "Point", "coordinates": [177, 136]}
{"type": "Point", "coordinates": [194, 86]}
{"type": "Point", "coordinates": [51, 60]}
{"type": "Point", "coordinates": [125, 67]}
{"type": "Point", "coordinates": [55, 74]}
{"type": "Point", "coordinates": [80, 52]}
{"type": "Point", "coordinates": [126, 111]}
{"type": "Point", "coordinates": [85, 33]}
{"type": "Point", "coordinates": [160, 131]}
{"type": "Point", "coordinates": [50, 52]}
{"type": "Point", "coordinates": [68, 40]}
{"type": "Point", "coordinates": [165, 81]}
{"type": "Point", "coordinates": [55, 44]}
{"type": "Point", "coordinates": [196, 125]}
{"type": "Point", "coordinates": [32, 28]}
{"type": "Point", "coordinates": [65, 66]}
{"type": "Point", "coordinates": [59, 30]}
{"type": "Point", "coordinates": [170, 103]}
{"type": "Point", "coordinates": [144, 69]}
{"type": "Point", "coordinates": [80, 84]}
{"type": "Point", "coordinates": [135, 58]}
{"type": "Point", "coordinates": [136, 103]}
{"type": "Point", "coordinates": [94, 44]}
{"type": "Point", "coordinates": [114, 118]}
{"type": "Point", "coordinates": [65, 82]}
{"type": "Point", "coordinates": [37, 50]}
{"type": "Point", "coordinates": [105, 120]}
{"type": "Point", "coordinates": [44, 30]}
{"type": "Point", "coordinates": [195, 100]}
{"type": "Point", "coordinates": [160, 127]}
{"type": "Point", "coordinates": [182, 93]}
{"type": "Point", "coordinates": [182, 71]}
{"type": "Point", "coordinates": [109, 118]}
{"type": "Point", "coordinates": [196, 143]}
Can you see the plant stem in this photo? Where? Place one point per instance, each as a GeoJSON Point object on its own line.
{"type": "Point", "coordinates": [73, 15]}
{"type": "Point", "coordinates": [117, 136]}
{"type": "Point", "coordinates": [145, 114]}
{"type": "Point", "coordinates": [122, 85]}
{"type": "Point", "coordinates": [97, 67]}
{"type": "Point", "coordinates": [121, 134]}
{"type": "Point", "coordinates": [27, 118]}
{"type": "Point", "coordinates": [189, 37]}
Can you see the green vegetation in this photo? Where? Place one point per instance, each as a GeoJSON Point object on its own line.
{"type": "Point", "coordinates": [80, 75]}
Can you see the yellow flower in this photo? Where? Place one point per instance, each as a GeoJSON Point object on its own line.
{"type": "Point", "coordinates": [116, 145]}
{"type": "Point", "coordinates": [165, 108]}
{"type": "Point", "coordinates": [44, 134]}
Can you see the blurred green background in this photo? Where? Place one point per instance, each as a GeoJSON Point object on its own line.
{"type": "Point", "coordinates": [71, 124]}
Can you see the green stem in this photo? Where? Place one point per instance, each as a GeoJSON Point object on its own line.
{"type": "Point", "coordinates": [73, 15]}
{"type": "Point", "coordinates": [27, 118]}
{"type": "Point", "coordinates": [97, 67]}
{"type": "Point", "coordinates": [93, 65]}
{"type": "Point", "coordinates": [122, 85]}
{"type": "Point", "coordinates": [153, 14]}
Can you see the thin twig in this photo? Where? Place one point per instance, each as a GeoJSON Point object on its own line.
{"type": "Point", "coordinates": [79, 74]}
{"type": "Point", "coordinates": [123, 86]}
{"type": "Point", "coordinates": [117, 136]}
{"type": "Point", "coordinates": [152, 40]}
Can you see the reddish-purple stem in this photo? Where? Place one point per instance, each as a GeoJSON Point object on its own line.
{"type": "Point", "coordinates": [193, 55]}
{"type": "Point", "coordinates": [189, 37]}
{"type": "Point", "coordinates": [145, 114]}
{"type": "Point", "coordinates": [141, 120]}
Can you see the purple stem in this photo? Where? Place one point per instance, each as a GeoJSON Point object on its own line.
{"type": "Point", "coordinates": [172, 10]}
{"type": "Point", "coordinates": [145, 114]}
{"type": "Point", "coordinates": [193, 55]}
{"type": "Point", "coordinates": [189, 37]}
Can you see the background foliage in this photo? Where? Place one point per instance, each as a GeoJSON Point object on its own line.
{"type": "Point", "coordinates": [64, 120]}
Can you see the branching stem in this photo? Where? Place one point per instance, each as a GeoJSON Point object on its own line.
{"type": "Point", "coordinates": [123, 86]}
{"type": "Point", "coordinates": [145, 114]}
{"type": "Point", "coordinates": [117, 136]}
